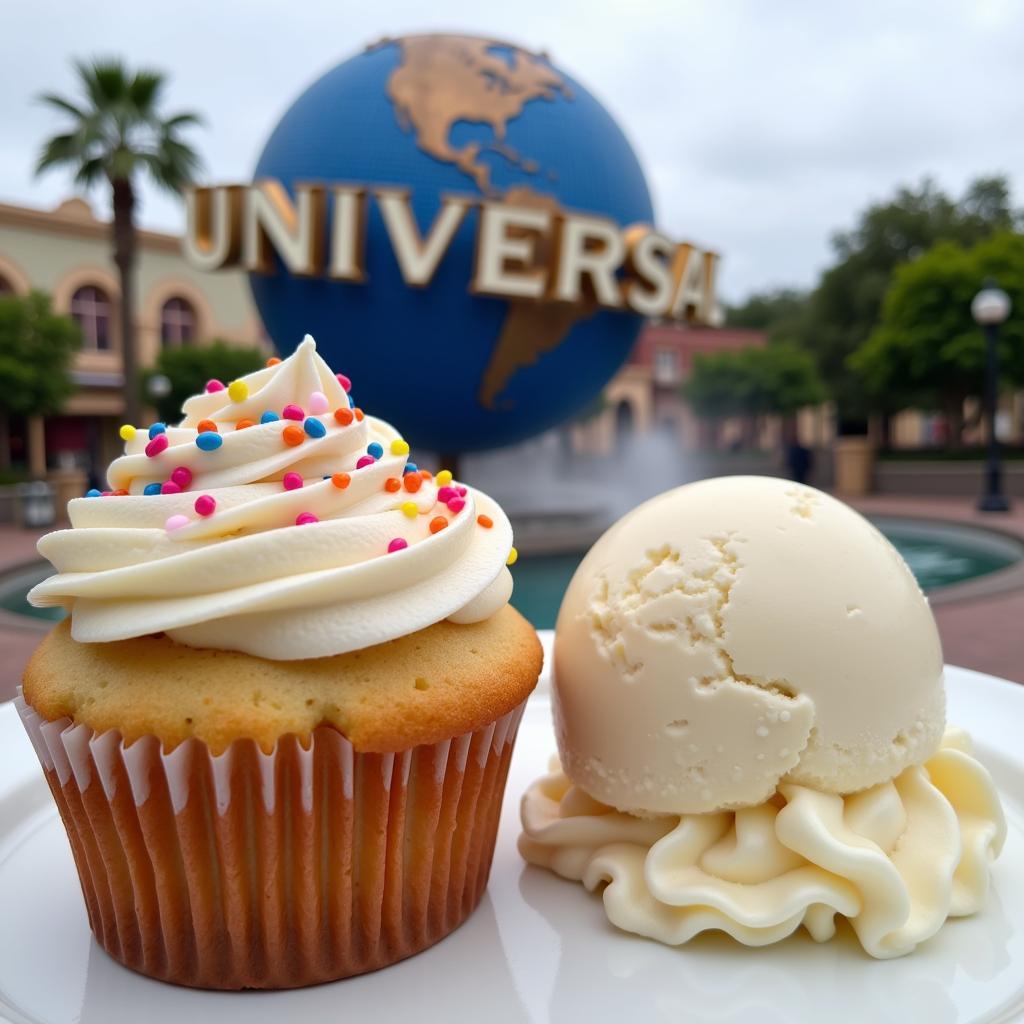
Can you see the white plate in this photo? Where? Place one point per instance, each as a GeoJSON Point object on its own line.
{"type": "Point", "coordinates": [538, 948]}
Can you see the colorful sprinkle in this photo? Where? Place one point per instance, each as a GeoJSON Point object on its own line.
{"type": "Point", "coordinates": [291, 481]}
{"type": "Point", "coordinates": [411, 467]}
{"type": "Point", "coordinates": [95, 493]}
{"type": "Point", "coordinates": [127, 432]}
{"type": "Point", "coordinates": [426, 474]}
{"type": "Point", "coordinates": [242, 424]}
{"type": "Point", "coordinates": [344, 381]}
{"type": "Point", "coordinates": [358, 413]}
{"type": "Point", "coordinates": [269, 417]}
{"type": "Point", "coordinates": [182, 476]}
{"type": "Point", "coordinates": [413, 482]}
{"type": "Point", "coordinates": [456, 505]}
{"type": "Point", "coordinates": [157, 428]}
{"type": "Point", "coordinates": [303, 518]}
{"type": "Point", "coordinates": [410, 508]}
{"type": "Point", "coordinates": [214, 385]}
{"type": "Point", "coordinates": [176, 523]}
{"type": "Point", "coordinates": [151, 489]}
{"type": "Point", "coordinates": [365, 460]}
{"type": "Point", "coordinates": [293, 435]}
{"type": "Point", "coordinates": [207, 427]}
{"type": "Point", "coordinates": [444, 477]}
{"type": "Point", "coordinates": [208, 441]}
{"type": "Point", "coordinates": [157, 445]}
{"type": "Point", "coordinates": [170, 487]}
{"type": "Point", "coordinates": [485, 521]}
{"type": "Point", "coordinates": [463, 491]}
{"type": "Point", "coordinates": [238, 391]}
{"type": "Point", "coordinates": [205, 505]}
{"type": "Point", "coordinates": [318, 403]}
{"type": "Point", "coordinates": [314, 427]}
{"type": "Point", "coordinates": [445, 494]}
{"type": "Point", "coordinates": [343, 416]}
{"type": "Point", "coordinates": [513, 557]}
{"type": "Point", "coordinates": [392, 484]}
{"type": "Point", "coordinates": [351, 402]}
{"type": "Point", "coordinates": [119, 493]}
{"type": "Point", "coordinates": [437, 524]}
{"type": "Point", "coordinates": [397, 544]}
{"type": "Point", "coordinates": [375, 449]}
{"type": "Point", "coordinates": [341, 480]}
{"type": "Point", "coordinates": [399, 447]}
{"type": "Point", "coordinates": [273, 361]}
{"type": "Point", "coordinates": [293, 412]}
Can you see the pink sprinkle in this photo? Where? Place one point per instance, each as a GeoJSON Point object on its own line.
{"type": "Point", "coordinates": [182, 476]}
{"type": "Point", "coordinates": [157, 445]}
{"type": "Point", "coordinates": [214, 385]}
{"type": "Point", "coordinates": [291, 481]}
{"type": "Point", "coordinates": [365, 460]}
{"type": "Point", "coordinates": [205, 505]}
{"type": "Point", "coordinates": [293, 412]}
{"type": "Point", "coordinates": [445, 493]}
{"type": "Point", "coordinates": [305, 517]}
{"type": "Point", "coordinates": [170, 487]}
{"type": "Point", "coordinates": [344, 381]}
{"type": "Point", "coordinates": [176, 523]}
{"type": "Point", "coordinates": [318, 403]}
{"type": "Point", "coordinates": [456, 504]}
{"type": "Point", "coordinates": [463, 491]}
{"type": "Point", "coordinates": [397, 544]}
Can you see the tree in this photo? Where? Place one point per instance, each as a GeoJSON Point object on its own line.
{"type": "Point", "coordinates": [927, 344]}
{"type": "Point", "coordinates": [116, 134]}
{"type": "Point", "coordinates": [36, 349]}
{"type": "Point", "coordinates": [190, 367]}
{"type": "Point", "coordinates": [781, 314]}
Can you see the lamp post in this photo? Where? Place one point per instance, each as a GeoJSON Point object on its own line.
{"type": "Point", "coordinates": [991, 306]}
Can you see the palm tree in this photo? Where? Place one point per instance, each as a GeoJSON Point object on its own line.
{"type": "Point", "coordinates": [116, 133]}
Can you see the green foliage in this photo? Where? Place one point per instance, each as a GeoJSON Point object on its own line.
{"type": "Point", "coordinates": [116, 130]}
{"type": "Point", "coordinates": [36, 350]}
{"type": "Point", "coordinates": [189, 368]}
{"type": "Point", "coordinates": [927, 344]}
{"type": "Point", "coordinates": [753, 381]}
{"type": "Point", "coordinates": [781, 314]}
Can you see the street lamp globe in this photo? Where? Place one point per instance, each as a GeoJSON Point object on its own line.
{"type": "Point", "coordinates": [991, 306]}
{"type": "Point", "coordinates": [158, 386]}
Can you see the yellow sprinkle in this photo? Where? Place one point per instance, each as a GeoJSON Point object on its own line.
{"type": "Point", "coordinates": [127, 432]}
{"type": "Point", "coordinates": [444, 477]}
{"type": "Point", "coordinates": [238, 391]}
{"type": "Point", "coordinates": [513, 557]}
{"type": "Point", "coordinates": [410, 508]}
{"type": "Point", "coordinates": [399, 447]}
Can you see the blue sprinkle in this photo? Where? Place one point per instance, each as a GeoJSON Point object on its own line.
{"type": "Point", "coordinates": [93, 493]}
{"type": "Point", "coordinates": [351, 402]}
{"type": "Point", "coordinates": [157, 428]}
{"type": "Point", "coordinates": [151, 489]}
{"type": "Point", "coordinates": [375, 449]}
{"type": "Point", "coordinates": [410, 467]}
{"type": "Point", "coordinates": [314, 427]}
{"type": "Point", "coordinates": [209, 441]}
{"type": "Point", "coordinates": [269, 417]}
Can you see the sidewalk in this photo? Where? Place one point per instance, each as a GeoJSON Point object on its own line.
{"type": "Point", "coordinates": [981, 623]}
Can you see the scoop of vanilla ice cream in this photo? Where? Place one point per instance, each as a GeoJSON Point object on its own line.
{"type": "Point", "coordinates": [736, 633]}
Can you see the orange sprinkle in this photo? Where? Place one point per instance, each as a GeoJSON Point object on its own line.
{"type": "Point", "coordinates": [413, 482]}
{"type": "Point", "coordinates": [438, 524]}
{"type": "Point", "coordinates": [485, 521]}
{"type": "Point", "coordinates": [293, 435]}
{"type": "Point", "coordinates": [392, 484]}
{"type": "Point", "coordinates": [341, 480]}
{"type": "Point", "coordinates": [242, 424]}
{"type": "Point", "coordinates": [205, 426]}
{"type": "Point", "coordinates": [343, 416]}
{"type": "Point", "coordinates": [273, 361]}
{"type": "Point", "coordinates": [358, 412]}
{"type": "Point", "coordinates": [119, 493]}
{"type": "Point", "coordinates": [426, 474]}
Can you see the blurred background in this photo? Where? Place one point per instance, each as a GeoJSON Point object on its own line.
{"type": "Point", "coordinates": [857, 172]}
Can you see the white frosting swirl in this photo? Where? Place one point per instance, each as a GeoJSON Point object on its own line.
{"type": "Point", "coordinates": [896, 859]}
{"type": "Point", "coordinates": [246, 577]}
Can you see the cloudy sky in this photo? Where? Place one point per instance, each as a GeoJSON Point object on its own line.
{"type": "Point", "coordinates": [763, 126]}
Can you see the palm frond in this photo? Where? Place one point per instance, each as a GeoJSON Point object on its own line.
{"type": "Point", "coordinates": [60, 103]}
{"type": "Point", "coordinates": [91, 171]}
{"type": "Point", "coordinates": [186, 119]}
{"type": "Point", "coordinates": [58, 150]}
{"type": "Point", "coordinates": [105, 82]}
{"type": "Point", "coordinates": [144, 93]}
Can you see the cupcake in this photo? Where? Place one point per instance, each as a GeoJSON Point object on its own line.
{"type": "Point", "coordinates": [278, 721]}
{"type": "Point", "coordinates": [750, 716]}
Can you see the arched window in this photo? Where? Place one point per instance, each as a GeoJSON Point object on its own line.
{"type": "Point", "coordinates": [90, 309]}
{"type": "Point", "coordinates": [177, 323]}
{"type": "Point", "coordinates": [6, 288]}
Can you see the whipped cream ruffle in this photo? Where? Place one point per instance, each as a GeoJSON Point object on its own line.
{"type": "Point", "coordinates": [246, 577]}
{"type": "Point", "coordinates": [896, 860]}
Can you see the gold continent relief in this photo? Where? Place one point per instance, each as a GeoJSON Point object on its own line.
{"type": "Point", "coordinates": [442, 80]}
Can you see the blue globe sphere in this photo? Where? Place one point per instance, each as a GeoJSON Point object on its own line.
{"type": "Point", "coordinates": [424, 358]}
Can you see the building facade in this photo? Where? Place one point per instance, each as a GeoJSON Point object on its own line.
{"type": "Point", "coordinates": [67, 253]}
